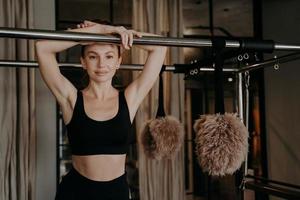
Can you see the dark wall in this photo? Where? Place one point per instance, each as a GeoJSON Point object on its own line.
{"type": "Point", "coordinates": [282, 93]}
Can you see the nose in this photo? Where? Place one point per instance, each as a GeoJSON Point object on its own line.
{"type": "Point", "coordinates": [101, 62]}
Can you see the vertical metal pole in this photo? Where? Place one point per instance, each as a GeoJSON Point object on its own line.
{"type": "Point", "coordinates": [240, 96]}
{"type": "Point", "coordinates": [241, 115]}
{"type": "Point", "coordinates": [247, 82]}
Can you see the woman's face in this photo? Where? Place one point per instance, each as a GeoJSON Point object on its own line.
{"type": "Point", "coordinates": [101, 61]}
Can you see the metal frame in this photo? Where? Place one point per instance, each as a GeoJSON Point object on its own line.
{"type": "Point", "coordinates": [275, 60]}
{"type": "Point", "coordinates": [273, 190]}
{"type": "Point", "coordinates": [262, 179]}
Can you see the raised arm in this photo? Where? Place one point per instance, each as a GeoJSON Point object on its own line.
{"type": "Point", "coordinates": [140, 87]}
{"type": "Point", "coordinates": [46, 54]}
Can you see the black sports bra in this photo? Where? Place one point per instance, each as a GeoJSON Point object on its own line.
{"type": "Point", "coordinates": [89, 137]}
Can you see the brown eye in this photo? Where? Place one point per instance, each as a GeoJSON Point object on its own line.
{"type": "Point", "coordinates": [109, 57]}
{"type": "Point", "coordinates": [92, 57]}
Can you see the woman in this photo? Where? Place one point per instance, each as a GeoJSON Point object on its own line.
{"type": "Point", "coordinates": [99, 117]}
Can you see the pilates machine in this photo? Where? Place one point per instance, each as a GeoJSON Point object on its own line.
{"type": "Point", "coordinates": [242, 47]}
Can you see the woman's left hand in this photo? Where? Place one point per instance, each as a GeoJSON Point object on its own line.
{"type": "Point", "coordinates": [125, 34]}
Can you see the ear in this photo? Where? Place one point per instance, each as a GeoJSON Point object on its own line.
{"type": "Point", "coordinates": [119, 62]}
{"type": "Point", "coordinates": [82, 61]}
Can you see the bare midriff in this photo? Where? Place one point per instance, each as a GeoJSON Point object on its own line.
{"type": "Point", "coordinates": [100, 167]}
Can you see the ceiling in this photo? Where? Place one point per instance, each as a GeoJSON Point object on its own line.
{"type": "Point", "coordinates": [233, 15]}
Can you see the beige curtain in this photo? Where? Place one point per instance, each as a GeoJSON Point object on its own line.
{"type": "Point", "coordinates": [162, 180]}
{"type": "Point", "coordinates": [17, 107]}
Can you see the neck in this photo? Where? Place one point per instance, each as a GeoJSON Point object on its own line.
{"type": "Point", "coordinates": [100, 90]}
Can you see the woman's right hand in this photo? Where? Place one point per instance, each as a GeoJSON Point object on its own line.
{"type": "Point", "coordinates": [125, 34]}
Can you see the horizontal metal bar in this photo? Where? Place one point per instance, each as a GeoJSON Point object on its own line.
{"type": "Point", "coordinates": [273, 190]}
{"type": "Point", "coordinates": [138, 67]}
{"type": "Point", "coordinates": [266, 63]}
{"type": "Point", "coordinates": [287, 47]}
{"type": "Point", "coordinates": [164, 41]}
{"type": "Point", "coordinates": [63, 35]}
{"type": "Point", "coordinates": [32, 64]}
{"type": "Point", "coordinates": [273, 181]}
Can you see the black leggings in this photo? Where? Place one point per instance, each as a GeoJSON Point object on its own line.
{"type": "Point", "coordinates": [75, 186]}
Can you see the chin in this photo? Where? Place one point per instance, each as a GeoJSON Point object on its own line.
{"type": "Point", "coordinates": [102, 79]}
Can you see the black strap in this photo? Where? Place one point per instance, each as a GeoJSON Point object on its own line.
{"type": "Point", "coordinates": [79, 107]}
{"type": "Point", "coordinates": [160, 110]}
{"type": "Point", "coordinates": [122, 99]}
{"type": "Point", "coordinates": [218, 47]}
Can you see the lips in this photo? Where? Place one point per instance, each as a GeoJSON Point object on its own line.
{"type": "Point", "coordinates": [100, 73]}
